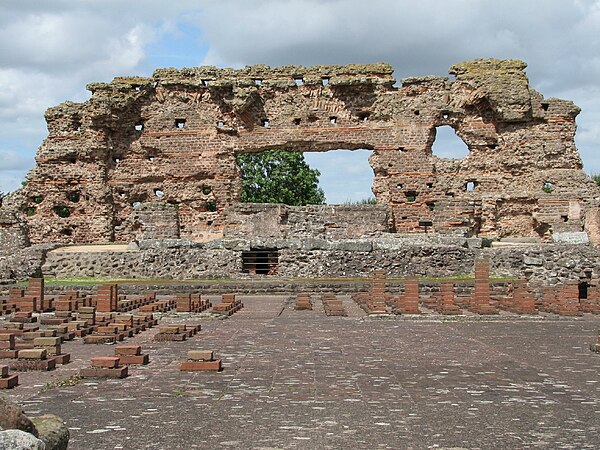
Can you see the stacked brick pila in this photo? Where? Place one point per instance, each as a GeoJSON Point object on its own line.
{"type": "Point", "coordinates": [105, 367]}
{"type": "Point", "coordinates": [107, 298]}
{"type": "Point", "coordinates": [7, 381]}
{"type": "Point", "coordinates": [408, 303]}
{"type": "Point", "coordinates": [131, 355]}
{"type": "Point", "coordinates": [303, 301]}
{"type": "Point", "coordinates": [7, 346]}
{"type": "Point", "coordinates": [33, 359]}
{"type": "Point", "coordinates": [480, 300]}
{"type": "Point", "coordinates": [228, 305]}
{"type": "Point", "coordinates": [192, 303]}
{"type": "Point", "coordinates": [198, 360]}
{"type": "Point", "coordinates": [568, 299]}
{"type": "Point", "coordinates": [591, 304]}
{"type": "Point", "coordinates": [53, 347]}
{"type": "Point", "coordinates": [333, 306]}
{"type": "Point", "coordinates": [376, 303]}
{"type": "Point", "coordinates": [23, 301]}
{"type": "Point", "coordinates": [523, 299]}
{"type": "Point", "coordinates": [35, 289]}
{"type": "Point", "coordinates": [446, 303]}
{"type": "Point", "coordinates": [176, 332]}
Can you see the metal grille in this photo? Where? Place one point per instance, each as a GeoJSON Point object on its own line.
{"type": "Point", "coordinates": [261, 262]}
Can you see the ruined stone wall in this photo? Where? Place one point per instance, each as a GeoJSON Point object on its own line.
{"type": "Point", "coordinates": [174, 137]}
{"type": "Point", "coordinates": [13, 233]}
{"type": "Point", "coordinates": [312, 258]}
{"type": "Point", "coordinates": [332, 222]}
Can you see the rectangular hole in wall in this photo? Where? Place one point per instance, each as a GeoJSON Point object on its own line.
{"type": "Point", "coordinates": [180, 123]}
{"type": "Point", "coordinates": [261, 262]}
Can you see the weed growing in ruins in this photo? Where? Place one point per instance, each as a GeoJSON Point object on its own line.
{"type": "Point", "coordinates": [73, 380]}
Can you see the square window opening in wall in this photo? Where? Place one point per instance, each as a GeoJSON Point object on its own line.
{"type": "Point", "coordinates": [180, 123]}
{"type": "Point", "coordinates": [139, 126]}
{"type": "Point", "coordinates": [411, 196]}
{"type": "Point", "coordinates": [325, 81]}
{"type": "Point", "coordinates": [470, 186]}
{"type": "Point", "coordinates": [257, 81]}
{"type": "Point", "coordinates": [429, 185]}
{"type": "Point", "coordinates": [333, 120]}
{"type": "Point", "coordinates": [363, 116]}
{"type": "Point", "coordinates": [299, 81]}
{"type": "Point", "coordinates": [265, 123]}
{"type": "Point", "coordinates": [261, 261]}
{"type": "Point", "coordinates": [297, 121]}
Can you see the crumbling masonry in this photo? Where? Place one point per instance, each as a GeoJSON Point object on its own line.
{"type": "Point", "coordinates": [159, 154]}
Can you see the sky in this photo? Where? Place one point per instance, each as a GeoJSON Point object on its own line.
{"type": "Point", "coordinates": [49, 51]}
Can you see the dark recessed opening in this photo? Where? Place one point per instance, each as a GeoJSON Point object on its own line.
{"type": "Point", "coordinates": [220, 123]}
{"type": "Point", "coordinates": [136, 204]}
{"type": "Point", "coordinates": [548, 187]}
{"type": "Point", "coordinates": [401, 149]}
{"type": "Point", "coordinates": [333, 120]}
{"type": "Point", "coordinates": [37, 199]}
{"type": "Point", "coordinates": [363, 117]}
{"type": "Point", "coordinates": [62, 211]}
{"type": "Point", "coordinates": [139, 126]}
{"type": "Point", "coordinates": [399, 186]}
{"type": "Point", "coordinates": [30, 211]}
{"type": "Point", "coordinates": [297, 121]}
{"type": "Point", "coordinates": [180, 123]}
{"type": "Point", "coordinates": [449, 194]}
{"type": "Point", "coordinates": [492, 146]}
{"type": "Point", "coordinates": [299, 81]}
{"type": "Point", "coordinates": [77, 125]}
{"type": "Point", "coordinates": [445, 115]}
{"type": "Point", "coordinates": [265, 123]}
{"type": "Point", "coordinates": [431, 206]}
{"type": "Point", "coordinates": [583, 290]}
{"type": "Point", "coordinates": [411, 196]}
{"type": "Point", "coordinates": [565, 218]}
{"type": "Point", "coordinates": [66, 232]}
{"type": "Point", "coordinates": [72, 160]}
{"type": "Point", "coordinates": [429, 185]}
{"type": "Point", "coordinates": [470, 186]}
{"type": "Point", "coordinates": [325, 81]}
{"type": "Point", "coordinates": [261, 262]}
{"type": "Point", "coordinates": [74, 197]}
{"type": "Point", "coordinates": [417, 112]}
{"type": "Point", "coordinates": [159, 193]}
{"type": "Point", "coordinates": [116, 159]}
{"type": "Point", "coordinates": [211, 206]}
{"type": "Point", "coordinates": [205, 82]}
{"type": "Point", "coordinates": [206, 190]}
{"type": "Point", "coordinates": [136, 87]}
{"type": "Point", "coordinates": [545, 106]}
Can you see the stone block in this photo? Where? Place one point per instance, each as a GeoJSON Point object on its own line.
{"type": "Point", "coordinates": [104, 372]}
{"type": "Point", "coordinates": [200, 355]}
{"type": "Point", "coordinates": [110, 362]}
{"type": "Point", "coordinates": [33, 353]}
{"type": "Point", "coordinates": [193, 366]}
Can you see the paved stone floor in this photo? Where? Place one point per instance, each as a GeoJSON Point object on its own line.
{"type": "Point", "coordinates": [299, 379]}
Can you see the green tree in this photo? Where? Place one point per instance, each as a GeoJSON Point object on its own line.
{"type": "Point", "coordinates": [596, 178]}
{"type": "Point", "coordinates": [277, 176]}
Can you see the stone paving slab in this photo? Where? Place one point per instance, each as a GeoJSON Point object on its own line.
{"type": "Point", "coordinates": [300, 379]}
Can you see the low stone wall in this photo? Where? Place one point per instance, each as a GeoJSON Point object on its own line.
{"type": "Point", "coordinates": [13, 233]}
{"type": "Point", "coordinates": [314, 258]}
